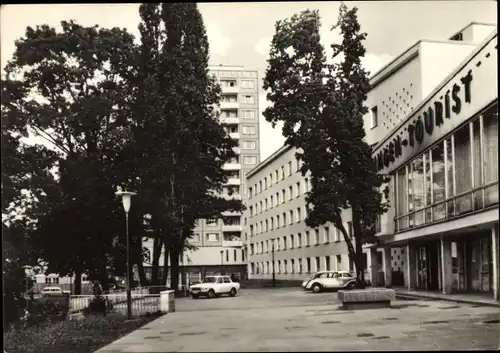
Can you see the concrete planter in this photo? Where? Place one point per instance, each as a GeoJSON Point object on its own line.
{"type": "Point", "coordinates": [167, 301]}
{"type": "Point", "coordinates": [371, 298]}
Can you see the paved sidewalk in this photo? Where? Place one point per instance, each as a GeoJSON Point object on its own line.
{"type": "Point", "coordinates": [409, 325]}
{"type": "Point", "coordinates": [482, 299]}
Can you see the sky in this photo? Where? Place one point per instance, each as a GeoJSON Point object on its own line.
{"type": "Point", "coordinates": [240, 33]}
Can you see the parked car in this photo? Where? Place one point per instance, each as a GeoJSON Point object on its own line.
{"type": "Point", "coordinates": [214, 286]}
{"type": "Point", "coordinates": [54, 291]}
{"type": "Point", "coordinates": [325, 280]}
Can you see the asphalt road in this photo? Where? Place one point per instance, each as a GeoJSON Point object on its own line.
{"type": "Point", "coordinates": [292, 320]}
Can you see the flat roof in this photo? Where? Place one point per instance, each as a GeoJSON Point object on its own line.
{"type": "Point", "coordinates": [473, 23]}
{"type": "Point", "coordinates": [269, 159]}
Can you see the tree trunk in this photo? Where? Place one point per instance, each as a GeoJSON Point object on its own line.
{"type": "Point", "coordinates": [174, 269]}
{"type": "Point", "coordinates": [78, 282]}
{"type": "Point", "coordinates": [157, 246]}
{"type": "Point", "coordinates": [142, 274]}
{"type": "Point", "coordinates": [165, 265]}
{"type": "Point", "coordinates": [103, 277]}
{"type": "Point", "coordinates": [358, 258]}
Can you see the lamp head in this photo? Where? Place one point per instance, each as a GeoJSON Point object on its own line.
{"type": "Point", "coordinates": [126, 199]}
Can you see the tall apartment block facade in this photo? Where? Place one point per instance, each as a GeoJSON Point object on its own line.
{"type": "Point", "coordinates": [220, 245]}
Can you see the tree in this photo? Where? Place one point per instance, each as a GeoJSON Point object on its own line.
{"type": "Point", "coordinates": [69, 88]}
{"type": "Point", "coordinates": [179, 144]}
{"type": "Point", "coordinates": [322, 107]}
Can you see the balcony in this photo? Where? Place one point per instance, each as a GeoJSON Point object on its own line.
{"type": "Point", "coordinates": [229, 105]}
{"type": "Point", "coordinates": [229, 213]}
{"type": "Point", "coordinates": [233, 181]}
{"type": "Point", "coordinates": [232, 243]}
{"type": "Point", "coordinates": [224, 120]}
{"type": "Point", "coordinates": [231, 166]}
{"type": "Point", "coordinates": [234, 135]}
{"type": "Point", "coordinates": [232, 228]}
{"type": "Point", "coordinates": [229, 89]}
{"type": "Point", "coordinates": [237, 150]}
{"type": "Point", "coordinates": [232, 197]}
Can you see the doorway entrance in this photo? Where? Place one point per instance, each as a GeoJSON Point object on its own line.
{"type": "Point", "coordinates": [428, 266]}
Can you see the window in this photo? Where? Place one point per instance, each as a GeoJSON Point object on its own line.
{"type": "Point", "coordinates": [327, 261]}
{"type": "Point", "coordinates": [290, 193]}
{"type": "Point", "coordinates": [247, 114]}
{"type": "Point", "coordinates": [327, 234]}
{"type": "Point", "coordinates": [265, 204]}
{"type": "Point", "coordinates": [227, 255]}
{"type": "Point", "coordinates": [306, 185]}
{"type": "Point", "coordinates": [248, 130]}
{"type": "Point", "coordinates": [299, 216]}
{"type": "Point", "coordinates": [272, 223]}
{"type": "Point", "coordinates": [212, 236]}
{"type": "Point", "coordinates": [267, 225]}
{"type": "Point", "coordinates": [271, 201]}
{"type": "Point", "coordinates": [229, 98]}
{"type": "Point", "coordinates": [349, 229]}
{"type": "Point", "coordinates": [285, 266]}
{"type": "Point", "coordinates": [289, 168]}
{"type": "Point", "coordinates": [247, 84]}
{"type": "Point", "coordinates": [251, 249]}
{"type": "Point", "coordinates": [284, 243]}
{"type": "Point", "coordinates": [283, 196]}
{"type": "Point", "coordinates": [374, 117]}
{"type": "Point", "coordinates": [228, 83]}
{"type": "Point", "coordinates": [339, 261]}
{"type": "Point", "coordinates": [297, 189]}
{"type": "Point", "coordinates": [276, 176]}
{"type": "Point", "coordinates": [279, 266]}
{"type": "Point", "coordinates": [249, 99]}
{"type": "Point", "coordinates": [308, 265]}
{"type": "Point", "coordinates": [242, 254]}
{"type": "Point", "coordinates": [277, 198]}
{"type": "Point", "coordinates": [265, 185]}
{"type": "Point", "coordinates": [301, 269]}
{"type": "Point", "coordinates": [307, 238]}
{"type": "Point", "coordinates": [249, 160]}
{"type": "Point", "coordinates": [284, 219]}
{"type": "Point", "coordinates": [270, 179]}
{"type": "Point", "coordinates": [212, 222]}
{"type": "Point", "coordinates": [249, 145]}
{"type": "Point", "coordinates": [317, 263]}
{"type": "Point", "coordinates": [292, 266]}
{"type": "Point", "coordinates": [251, 231]}
{"type": "Point", "coordinates": [196, 237]}
{"type": "Point", "coordinates": [278, 224]}
{"type": "Point", "coordinates": [292, 241]}
{"type": "Point", "coordinates": [282, 172]}
{"type": "Point", "coordinates": [297, 160]}
{"type": "Point", "coordinates": [299, 240]}
{"type": "Point", "coordinates": [316, 237]}
{"type": "Point", "coordinates": [229, 113]}
{"type": "Point", "coordinates": [291, 216]}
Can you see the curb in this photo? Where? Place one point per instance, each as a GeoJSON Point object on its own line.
{"type": "Point", "coordinates": [465, 301]}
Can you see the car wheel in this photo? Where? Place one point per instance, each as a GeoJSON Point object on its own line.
{"type": "Point", "coordinates": [194, 296]}
{"type": "Point", "coordinates": [316, 288]}
{"type": "Point", "coordinates": [211, 293]}
{"type": "Point", "coordinates": [232, 292]}
{"type": "Point", "coordinates": [351, 285]}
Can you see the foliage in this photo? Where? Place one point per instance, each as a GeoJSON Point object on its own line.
{"type": "Point", "coordinates": [322, 107]}
{"type": "Point", "coordinates": [68, 88]}
{"type": "Point", "coordinates": [179, 145]}
{"type": "Point", "coordinates": [84, 336]}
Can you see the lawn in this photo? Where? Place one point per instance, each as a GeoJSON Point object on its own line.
{"type": "Point", "coordinates": [85, 336]}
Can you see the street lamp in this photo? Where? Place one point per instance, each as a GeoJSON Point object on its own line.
{"type": "Point", "coordinates": [222, 261]}
{"type": "Point", "coordinates": [272, 254]}
{"type": "Point", "coordinates": [126, 199]}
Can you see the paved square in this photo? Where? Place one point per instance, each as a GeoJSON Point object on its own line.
{"type": "Point", "coordinates": [291, 320]}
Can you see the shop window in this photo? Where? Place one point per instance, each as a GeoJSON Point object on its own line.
{"type": "Point", "coordinates": [438, 182]}
{"type": "Point", "coordinates": [463, 172]}
{"type": "Point", "coordinates": [490, 156]}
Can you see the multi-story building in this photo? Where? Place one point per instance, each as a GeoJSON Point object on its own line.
{"type": "Point", "coordinates": [219, 244]}
{"type": "Point", "coordinates": [276, 229]}
{"type": "Point", "coordinates": [433, 122]}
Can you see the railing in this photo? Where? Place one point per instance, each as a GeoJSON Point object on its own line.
{"type": "Point", "coordinates": [141, 303]}
{"type": "Point", "coordinates": [448, 208]}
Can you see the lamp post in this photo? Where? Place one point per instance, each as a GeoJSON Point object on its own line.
{"type": "Point", "coordinates": [222, 261]}
{"type": "Point", "coordinates": [272, 254]}
{"type": "Point", "coordinates": [126, 200]}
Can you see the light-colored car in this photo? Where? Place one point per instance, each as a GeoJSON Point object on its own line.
{"type": "Point", "coordinates": [325, 280]}
{"type": "Point", "coordinates": [54, 291]}
{"type": "Point", "coordinates": [214, 286]}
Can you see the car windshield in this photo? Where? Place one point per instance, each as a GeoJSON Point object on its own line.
{"type": "Point", "coordinates": [209, 280]}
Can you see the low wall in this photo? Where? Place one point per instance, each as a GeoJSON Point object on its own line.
{"type": "Point", "coordinates": [366, 298]}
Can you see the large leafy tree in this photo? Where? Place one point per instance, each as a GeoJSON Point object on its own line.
{"type": "Point", "coordinates": [179, 145]}
{"type": "Point", "coordinates": [322, 107]}
{"type": "Point", "coordinates": [69, 87]}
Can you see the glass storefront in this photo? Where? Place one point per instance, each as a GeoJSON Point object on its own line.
{"type": "Point", "coordinates": [472, 263]}
{"type": "Point", "coordinates": [456, 176]}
